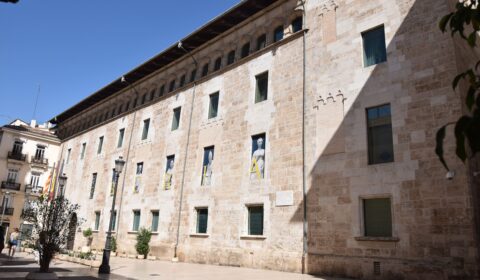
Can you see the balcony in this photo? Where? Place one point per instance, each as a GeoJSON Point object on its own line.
{"type": "Point", "coordinates": [10, 186]}
{"type": "Point", "coordinates": [8, 211]}
{"type": "Point", "coordinates": [40, 162]}
{"type": "Point", "coordinates": [33, 190]}
{"type": "Point", "coordinates": [16, 156]}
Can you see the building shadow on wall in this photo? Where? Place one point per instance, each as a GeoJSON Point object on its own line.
{"type": "Point", "coordinates": [415, 81]}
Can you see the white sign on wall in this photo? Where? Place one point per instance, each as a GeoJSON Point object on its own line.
{"type": "Point", "coordinates": [284, 198]}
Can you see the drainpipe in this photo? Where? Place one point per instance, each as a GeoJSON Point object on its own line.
{"type": "Point", "coordinates": [175, 256]}
{"type": "Point", "coordinates": [123, 80]}
{"type": "Point", "coordinates": [304, 171]}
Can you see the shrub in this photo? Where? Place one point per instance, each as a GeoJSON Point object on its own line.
{"type": "Point", "coordinates": [87, 233]}
{"type": "Point", "coordinates": [143, 239]}
{"type": "Point", "coordinates": [113, 244]}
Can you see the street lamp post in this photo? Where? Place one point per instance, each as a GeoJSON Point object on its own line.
{"type": "Point", "coordinates": [105, 266]}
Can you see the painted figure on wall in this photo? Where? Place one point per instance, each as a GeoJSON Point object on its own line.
{"type": "Point", "coordinates": [207, 171]}
{"type": "Point", "coordinates": [167, 183]}
{"type": "Point", "coordinates": [257, 165]}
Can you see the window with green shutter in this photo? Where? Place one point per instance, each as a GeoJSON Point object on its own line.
{"type": "Point", "coordinates": [261, 89]}
{"type": "Point", "coordinates": [379, 134]}
{"type": "Point", "coordinates": [255, 220]}
{"type": "Point", "coordinates": [136, 220]}
{"type": "Point", "coordinates": [377, 217]}
{"type": "Point", "coordinates": [146, 126]}
{"type": "Point", "coordinates": [202, 220]}
{"type": "Point", "coordinates": [97, 220]}
{"type": "Point", "coordinates": [176, 118]}
{"type": "Point", "coordinates": [213, 107]}
{"type": "Point", "coordinates": [155, 216]}
{"type": "Point", "coordinates": [374, 48]}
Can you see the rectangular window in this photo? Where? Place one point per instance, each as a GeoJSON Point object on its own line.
{"type": "Point", "coordinates": [261, 89]}
{"type": "Point", "coordinates": [144, 98]}
{"type": "Point", "coordinates": [146, 126]}
{"type": "Point", "coordinates": [40, 152]}
{"type": "Point", "coordinates": [205, 70]}
{"type": "Point", "coordinates": [255, 220]}
{"type": "Point", "coordinates": [245, 50]}
{"type": "Point", "coordinates": [380, 139]}
{"type": "Point", "coordinates": [374, 48]}
{"type": "Point", "coordinates": [121, 134]}
{"type": "Point", "coordinates": [202, 220]}
{"type": "Point", "coordinates": [207, 171]}
{"type": "Point", "coordinates": [139, 168]}
{"type": "Point", "coordinates": [182, 81]}
{"type": "Point", "coordinates": [35, 181]}
{"type": "Point", "coordinates": [100, 145]}
{"type": "Point", "coordinates": [17, 147]}
{"type": "Point", "coordinates": [261, 42]}
{"type": "Point", "coordinates": [92, 187]}
{"type": "Point", "coordinates": [155, 216]}
{"type": "Point", "coordinates": [84, 147]}
{"type": "Point", "coordinates": [193, 75]}
{"type": "Point", "coordinates": [377, 217]}
{"type": "Point", "coordinates": [114, 220]}
{"type": "Point", "coordinates": [231, 57]}
{"type": "Point", "coordinates": [218, 64]}
{"type": "Point", "coordinates": [162, 90]}
{"type": "Point", "coordinates": [278, 33]}
{"type": "Point", "coordinates": [97, 220]}
{"type": "Point", "coordinates": [172, 86]}
{"type": "Point", "coordinates": [136, 220]}
{"type": "Point", "coordinates": [297, 24]}
{"type": "Point", "coordinates": [12, 175]}
{"type": "Point", "coordinates": [69, 152]}
{"type": "Point", "coordinates": [213, 107]}
{"type": "Point", "coordinates": [176, 118]}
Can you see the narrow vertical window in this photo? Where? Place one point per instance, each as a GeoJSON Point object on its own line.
{"type": "Point", "coordinates": [121, 134]}
{"type": "Point", "coordinates": [377, 217]}
{"type": "Point", "coordinates": [172, 86]}
{"type": "Point", "coordinates": [297, 24]}
{"type": "Point", "coordinates": [155, 216]}
{"type": "Point", "coordinates": [100, 145]}
{"type": "Point", "coordinates": [218, 64]}
{"type": "Point", "coordinates": [152, 94]}
{"type": "Point", "coordinates": [162, 90]}
{"type": "Point", "coordinates": [146, 126]}
{"type": "Point", "coordinates": [176, 118]}
{"type": "Point", "coordinates": [261, 89]}
{"type": "Point", "coordinates": [213, 106]}
{"type": "Point", "coordinates": [182, 81]}
{"type": "Point", "coordinates": [92, 186]}
{"type": "Point", "coordinates": [379, 133]}
{"type": "Point", "coordinates": [144, 98]}
{"type": "Point", "coordinates": [205, 70]}
{"type": "Point", "coordinates": [69, 152]}
{"type": "Point", "coordinates": [374, 48]}
{"type": "Point", "coordinates": [84, 147]}
{"type": "Point", "coordinates": [97, 220]}
{"type": "Point", "coordinates": [202, 220]}
{"type": "Point", "coordinates": [231, 57]}
{"type": "Point", "coordinates": [193, 75]}
{"type": "Point", "coordinates": [255, 220]}
{"type": "Point", "coordinates": [278, 33]}
{"type": "Point", "coordinates": [139, 168]}
{"type": "Point", "coordinates": [261, 42]}
{"type": "Point", "coordinates": [136, 220]}
{"type": "Point", "coordinates": [245, 50]}
{"type": "Point", "coordinates": [207, 171]}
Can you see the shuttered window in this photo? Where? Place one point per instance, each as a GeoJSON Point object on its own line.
{"type": "Point", "coordinates": [261, 90]}
{"type": "Point", "coordinates": [377, 217]}
{"type": "Point", "coordinates": [374, 49]}
{"type": "Point", "coordinates": [176, 118]}
{"type": "Point", "coordinates": [380, 139]}
{"type": "Point", "coordinates": [202, 220]}
{"type": "Point", "coordinates": [136, 220]}
{"type": "Point", "coordinates": [213, 107]}
{"type": "Point", "coordinates": [155, 216]}
{"type": "Point", "coordinates": [255, 220]}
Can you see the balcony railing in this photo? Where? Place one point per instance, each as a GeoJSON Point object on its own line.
{"type": "Point", "coordinates": [35, 190]}
{"type": "Point", "coordinates": [39, 161]}
{"type": "Point", "coordinates": [10, 186]}
{"type": "Point", "coordinates": [8, 211]}
{"type": "Point", "coordinates": [17, 156]}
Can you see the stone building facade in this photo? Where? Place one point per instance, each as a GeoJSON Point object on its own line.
{"type": "Point", "coordinates": [28, 152]}
{"type": "Point", "coordinates": [346, 97]}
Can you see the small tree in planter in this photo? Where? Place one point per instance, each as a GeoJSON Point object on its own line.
{"type": "Point", "coordinates": [143, 240]}
{"type": "Point", "coordinates": [51, 220]}
{"type": "Point", "coordinates": [113, 245]}
{"type": "Point", "coordinates": [88, 235]}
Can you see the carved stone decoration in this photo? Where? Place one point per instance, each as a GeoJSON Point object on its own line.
{"type": "Point", "coordinates": [328, 5]}
{"type": "Point", "coordinates": [257, 164]}
{"type": "Point", "coordinates": [339, 97]}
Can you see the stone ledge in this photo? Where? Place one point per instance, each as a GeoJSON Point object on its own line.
{"type": "Point", "coordinates": [381, 239]}
{"type": "Point", "coordinates": [253, 237]}
{"type": "Point", "coordinates": [132, 232]}
{"type": "Point", "coordinates": [201, 235]}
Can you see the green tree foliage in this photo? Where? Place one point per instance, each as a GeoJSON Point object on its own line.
{"type": "Point", "coordinates": [465, 22]}
{"type": "Point", "coordinates": [143, 240]}
{"type": "Point", "coordinates": [87, 233]}
{"type": "Point", "coordinates": [50, 220]}
{"type": "Point", "coordinates": [113, 244]}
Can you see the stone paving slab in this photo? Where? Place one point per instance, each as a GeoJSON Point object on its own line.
{"type": "Point", "coordinates": [123, 269]}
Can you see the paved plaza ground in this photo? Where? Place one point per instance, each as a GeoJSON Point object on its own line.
{"type": "Point", "coordinates": [123, 268]}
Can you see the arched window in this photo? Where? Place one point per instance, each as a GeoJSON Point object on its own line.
{"type": "Point", "coordinates": [182, 81]}
{"type": "Point", "coordinates": [205, 70]}
{"type": "Point", "coordinates": [231, 57]}
{"type": "Point", "coordinates": [278, 34]}
{"type": "Point", "coordinates": [261, 42]}
{"type": "Point", "coordinates": [218, 64]}
{"type": "Point", "coordinates": [297, 24]}
{"type": "Point", "coordinates": [245, 50]}
{"type": "Point", "coordinates": [172, 86]}
{"type": "Point", "coordinates": [193, 75]}
{"type": "Point", "coordinates": [152, 94]}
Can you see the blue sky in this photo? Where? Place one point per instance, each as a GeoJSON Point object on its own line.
{"type": "Point", "coordinates": [73, 48]}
